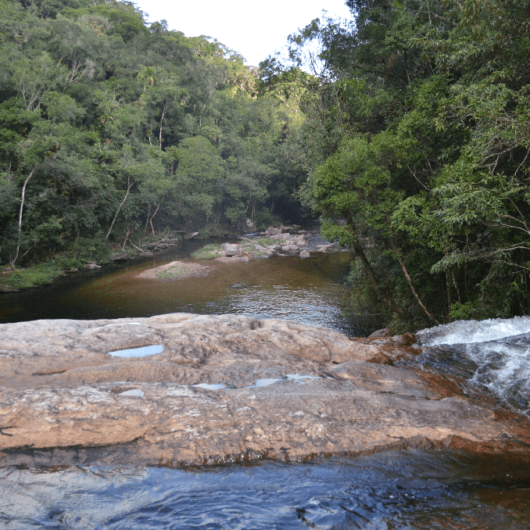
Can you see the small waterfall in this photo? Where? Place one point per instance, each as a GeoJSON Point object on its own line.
{"type": "Point", "coordinates": [499, 350]}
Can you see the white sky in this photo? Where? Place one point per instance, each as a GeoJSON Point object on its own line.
{"type": "Point", "coordinates": [254, 29]}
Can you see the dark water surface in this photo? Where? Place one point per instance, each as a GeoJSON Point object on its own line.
{"type": "Point", "coordinates": [390, 490]}
{"type": "Point", "coordinates": [407, 488]}
{"type": "Point", "coordinates": [308, 291]}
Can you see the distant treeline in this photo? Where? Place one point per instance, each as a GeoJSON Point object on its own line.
{"type": "Point", "coordinates": [111, 127]}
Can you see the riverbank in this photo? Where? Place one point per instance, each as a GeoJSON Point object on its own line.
{"type": "Point", "coordinates": [264, 244]}
{"type": "Point", "coordinates": [13, 279]}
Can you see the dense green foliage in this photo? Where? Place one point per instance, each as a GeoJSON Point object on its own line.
{"type": "Point", "coordinates": [415, 134]}
{"type": "Point", "coordinates": [418, 136]}
{"type": "Point", "coordinates": [110, 129]}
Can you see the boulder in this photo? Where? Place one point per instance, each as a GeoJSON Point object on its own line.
{"type": "Point", "coordinates": [385, 332]}
{"type": "Point", "coordinates": [324, 248]}
{"type": "Point", "coordinates": [231, 249]}
{"type": "Point", "coordinates": [249, 226]}
{"type": "Point", "coordinates": [190, 235]}
{"type": "Point", "coordinates": [196, 389]}
{"type": "Point", "coordinates": [271, 231]}
{"type": "Point", "coordinates": [92, 266]}
{"type": "Point", "coordinates": [305, 254]}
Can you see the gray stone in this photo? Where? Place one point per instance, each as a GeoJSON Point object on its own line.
{"type": "Point", "coordinates": [231, 250]}
{"type": "Point", "coordinates": [271, 231]}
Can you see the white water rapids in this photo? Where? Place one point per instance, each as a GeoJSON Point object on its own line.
{"type": "Point", "coordinates": [498, 351]}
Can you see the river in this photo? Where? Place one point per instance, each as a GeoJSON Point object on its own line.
{"type": "Point", "coordinates": [413, 487]}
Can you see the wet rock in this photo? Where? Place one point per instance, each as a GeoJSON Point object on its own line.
{"type": "Point", "coordinates": [218, 387]}
{"type": "Point", "coordinates": [238, 286]}
{"type": "Point", "coordinates": [234, 259]}
{"type": "Point", "coordinates": [120, 257]}
{"type": "Point", "coordinates": [324, 248]}
{"type": "Point", "coordinates": [305, 254]}
{"type": "Point", "coordinates": [4, 288]}
{"type": "Point", "coordinates": [271, 231]}
{"type": "Point", "coordinates": [92, 266]}
{"type": "Point", "coordinates": [71, 271]}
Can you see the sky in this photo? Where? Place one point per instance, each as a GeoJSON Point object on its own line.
{"type": "Point", "coordinates": [253, 29]}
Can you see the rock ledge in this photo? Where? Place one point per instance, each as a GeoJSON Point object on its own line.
{"type": "Point", "coordinates": [223, 388]}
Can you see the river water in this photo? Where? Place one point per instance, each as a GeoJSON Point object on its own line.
{"type": "Point", "coordinates": [410, 487]}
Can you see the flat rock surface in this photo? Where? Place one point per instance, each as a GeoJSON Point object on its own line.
{"type": "Point", "coordinates": [271, 388]}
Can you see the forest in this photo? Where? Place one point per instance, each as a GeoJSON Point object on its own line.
{"type": "Point", "coordinates": [416, 143]}
{"type": "Point", "coordinates": [409, 138]}
{"type": "Point", "coordinates": [112, 129]}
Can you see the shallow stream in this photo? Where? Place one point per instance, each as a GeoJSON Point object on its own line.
{"type": "Point", "coordinates": [406, 488]}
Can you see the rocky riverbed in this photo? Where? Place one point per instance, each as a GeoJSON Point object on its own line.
{"type": "Point", "coordinates": [280, 241]}
{"type": "Point", "coordinates": [186, 389]}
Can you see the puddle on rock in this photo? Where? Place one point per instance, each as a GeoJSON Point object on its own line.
{"type": "Point", "coordinates": [300, 379]}
{"type": "Point", "coordinates": [209, 386]}
{"type": "Point", "coordinates": [138, 352]}
{"type": "Point", "coordinates": [264, 382]}
{"type": "Point", "coordinates": [132, 393]}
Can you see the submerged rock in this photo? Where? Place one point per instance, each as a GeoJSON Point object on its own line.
{"type": "Point", "coordinates": [211, 389]}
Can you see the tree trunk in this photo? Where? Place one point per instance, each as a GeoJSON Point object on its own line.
{"type": "Point", "coordinates": [151, 220]}
{"type": "Point", "coordinates": [147, 219]}
{"type": "Point", "coordinates": [366, 264]}
{"type": "Point", "coordinates": [405, 272]}
{"type": "Point", "coordinates": [160, 133]}
{"type": "Point", "coordinates": [129, 185]}
{"type": "Point", "coordinates": [448, 281]}
{"type": "Point", "coordinates": [20, 216]}
{"type": "Point", "coordinates": [126, 238]}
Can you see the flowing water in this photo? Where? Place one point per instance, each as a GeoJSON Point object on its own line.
{"type": "Point", "coordinates": [410, 487]}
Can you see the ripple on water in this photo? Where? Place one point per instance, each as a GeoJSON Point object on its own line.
{"type": "Point", "coordinates": [390, 490]}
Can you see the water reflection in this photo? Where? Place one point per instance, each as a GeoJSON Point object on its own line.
{"type": "Point", "coordinates": [309, 291]}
